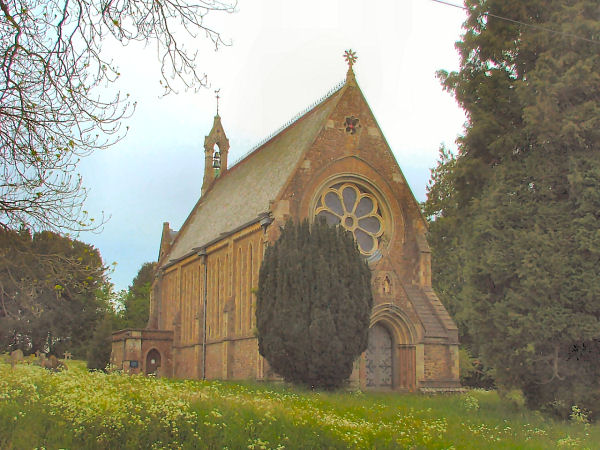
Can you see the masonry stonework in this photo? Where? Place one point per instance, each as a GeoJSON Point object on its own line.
{"type": "Point", "coordinates": [332, 161]}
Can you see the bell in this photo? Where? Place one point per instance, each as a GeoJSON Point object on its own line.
{"type": "Point", "coordinates": [216, 160]}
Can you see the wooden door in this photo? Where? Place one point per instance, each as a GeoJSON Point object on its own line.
{"type": "Point", "coordinates": [379, 361]}
{"type": "Point", "coordinates": [152, 362]}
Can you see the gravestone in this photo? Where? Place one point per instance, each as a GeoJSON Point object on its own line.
{"type": "Point", "coordinates": [15, 357]}
{"type": "Point", "coordinates": [53, 364]}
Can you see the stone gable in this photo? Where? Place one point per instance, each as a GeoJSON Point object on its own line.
{"type": "Point", "coordinates": [334, 162]}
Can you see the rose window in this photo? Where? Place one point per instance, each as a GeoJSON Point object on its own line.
{"type": "Point", "coordinates": [356, 210]}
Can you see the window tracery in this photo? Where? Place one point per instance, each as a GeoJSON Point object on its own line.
{"type": "Point", "coordinates": [357, 210]}
{"type": "Point", "coordinates": [351, 124]}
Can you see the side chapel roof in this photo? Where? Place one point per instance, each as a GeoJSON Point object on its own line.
{"type": "Point", "coordinates": [245, 190]}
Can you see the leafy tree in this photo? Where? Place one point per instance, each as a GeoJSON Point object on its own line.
{"type": "Point", "coordinates": [125, 309]}
{"type": "Point", "coordinates": [100, 346]}
{"type": "Point", "coordinates": [136, 302]}
{"type": "Point", "coordinates": [54, 105]}
{"type": "Point", "coordinates": [313, 304]}
{"type": "Point", "coordinates": [49, 292]}
{"type": "Point", "coordinates": [523, 206]}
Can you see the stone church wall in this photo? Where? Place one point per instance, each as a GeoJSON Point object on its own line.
{"type": "Point", "coordinates": [232, 267]}
{"type": "Point", "coordinates": [243, 364]}
{"type": "Point", "coordinates": [130, 348]}
{"type": "Point", "coordinates": [214, 361]}
{"type": "Point", "coordinates": [168, 300]}
{"type": "Point", "coordinates": [117, 355]}
{"type": "Point", "coordinates": [191, 303]}
{"type": "Point", "coordinates": [440, 364]}
{"type": "Point", "coordinates": [187, 363]}
{"type": "Point", "coordinates": [420, 345]}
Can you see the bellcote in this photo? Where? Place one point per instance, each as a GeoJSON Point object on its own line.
{"type": "Point", "coordinates": [216, 148]}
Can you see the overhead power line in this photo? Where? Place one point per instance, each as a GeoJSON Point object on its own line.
{"type": "Point", "coordinates": [537, 27]}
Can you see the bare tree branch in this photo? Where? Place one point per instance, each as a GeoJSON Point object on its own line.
{"type": "Point", "coordinates": [51, 112]}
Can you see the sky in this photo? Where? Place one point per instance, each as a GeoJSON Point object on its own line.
{"type": "Point", "coordinates": [281, 57]}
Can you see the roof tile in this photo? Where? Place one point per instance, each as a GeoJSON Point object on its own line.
{"type": "Point", "coordinates": [245, 190]}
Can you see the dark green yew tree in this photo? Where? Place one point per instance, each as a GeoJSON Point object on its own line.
{"type": "Point", "coordinates": [314, 304]}
{"type": "Point", "coordinates": [518, 210]}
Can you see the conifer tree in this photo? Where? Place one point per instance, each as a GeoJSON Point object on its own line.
{"type": "Point", "coordinates": [524, 201]}
{"type": "Point", "coordinates": [314, 304]}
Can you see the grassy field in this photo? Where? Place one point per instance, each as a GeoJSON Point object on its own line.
{"type": "Point", "coordinates": [77, 410]}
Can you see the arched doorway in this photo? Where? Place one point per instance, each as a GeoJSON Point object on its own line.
{"type": "Point", "coordinates": [390, 359]}
{"type": "Point", "coordinates": [379, 359]}
{"type": "Point", "coordinates": [152, 362]}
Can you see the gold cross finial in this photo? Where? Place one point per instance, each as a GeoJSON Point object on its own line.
{"type": "Point", "coordinates": [350, 57]}
{"type": "Point", "coordinates": [218, 97]}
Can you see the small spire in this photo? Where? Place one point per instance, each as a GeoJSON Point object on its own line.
{"type": "Point", "coordinates": [218, 97]}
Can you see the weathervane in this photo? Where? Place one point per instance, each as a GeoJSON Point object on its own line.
{"type": "Point", "coordinates": [218, 97]}
{"type": "Point", "coordinates": [350, 57]}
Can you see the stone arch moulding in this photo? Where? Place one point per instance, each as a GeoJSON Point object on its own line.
{"type": "Point", "coordinates": [348, 177]}
{"type": "Point", "coordinates": [390, 224]}
{"type": "Point", "coordinates": [401, 327]}
{"type": "Point", "coordinates": [354, 204]}
{"type": "Point", "coordinates": [152, 361]}
{"type": "Point", "coordinates": [404, 342]}
{"type": "Point", "coordinates": [357, 170]}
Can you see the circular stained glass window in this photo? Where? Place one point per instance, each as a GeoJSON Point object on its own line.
{"type": "Point", "coordinates": [357, 210]}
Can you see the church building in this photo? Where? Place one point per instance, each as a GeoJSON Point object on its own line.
{"type": "Point", "coordinates": [332, 161]}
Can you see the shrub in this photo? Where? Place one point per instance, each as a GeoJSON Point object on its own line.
{"type": "Point", "coordinates": [473, 373]}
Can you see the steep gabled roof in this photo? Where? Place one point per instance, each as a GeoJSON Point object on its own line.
{"type": "Point", "coordinates": [245, 190]}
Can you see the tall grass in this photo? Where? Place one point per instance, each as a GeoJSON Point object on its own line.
{"type": "Point", "coordinates": [77, 409]}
